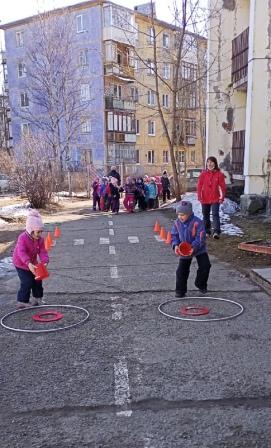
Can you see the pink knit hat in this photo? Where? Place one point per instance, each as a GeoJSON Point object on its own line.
{"type": "Point", "coordinates": [33, 222]}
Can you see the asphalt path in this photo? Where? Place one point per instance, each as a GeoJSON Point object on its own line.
{"type": "Point", "coordinates": [130, 377]}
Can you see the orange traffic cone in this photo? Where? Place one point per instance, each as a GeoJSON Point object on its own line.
{"type": "Point", "coordinates": [156, 227]}
{"type": "Point", "coordinates": [57, 233]}
{"type": "Point", "coordinates": [47, 244]}
{"type": "Point", "coordinates": [168, 240]}
{"type": "Point", "coordinates": [163, 235]}
{"type": "Point", "coordinates": [49, 238]}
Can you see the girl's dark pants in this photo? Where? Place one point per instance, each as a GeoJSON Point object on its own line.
{"type": "Point", "coordinates": [206, 210]}
{"type": "Point", "coordinates": [96, 200]}
{"type": "Point", "coordinates": [28, 283]}
{"type": "Point", "coordinates": [183, 270]}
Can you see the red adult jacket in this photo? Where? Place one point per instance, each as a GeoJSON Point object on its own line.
{"type": "Point", "coordinates": [211, 187]}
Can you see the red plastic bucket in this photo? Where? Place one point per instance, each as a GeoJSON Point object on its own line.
{"type": "Point", "coordinates": [41, 272]}
{"type": "Point", "coordinates": [185, 249]}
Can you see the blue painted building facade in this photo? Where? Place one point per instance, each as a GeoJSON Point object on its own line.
{"type": "Point", "coordinates": [88, 50]}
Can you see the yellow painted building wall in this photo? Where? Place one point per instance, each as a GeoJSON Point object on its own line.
{"type": "Point", "coordinates": [158, 143]}
{"type": "Point", "coordinates": [251, 107]}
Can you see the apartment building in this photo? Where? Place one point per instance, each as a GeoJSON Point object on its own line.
{"type": "Point", "coordinates": [239, 92]}
{"type": "Point", "coordinates": [5, 119]}
{"type": "Point", "coordinates": [119, 124]}
{"type": "Point", "coordinates": [152, 146]}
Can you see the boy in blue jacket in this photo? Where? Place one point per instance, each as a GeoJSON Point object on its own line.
{"type": "Point", "coordinates": [189, 228]}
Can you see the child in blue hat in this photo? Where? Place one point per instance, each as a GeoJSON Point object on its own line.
{"type": "Point", "coordinates": [190, 229]}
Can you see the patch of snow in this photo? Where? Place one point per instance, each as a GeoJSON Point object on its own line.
{"type": "Point", "coordinates": [6, 266]}
{"type": "Point", "coordinates": [227, 208]}
{"type": "Point", "coordinates": [15, 210]}
{"type": "Point", "coordinates": [64, 193]}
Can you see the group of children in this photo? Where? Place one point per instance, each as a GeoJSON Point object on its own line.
{"type": "Point", "coordinates": [143, 192]}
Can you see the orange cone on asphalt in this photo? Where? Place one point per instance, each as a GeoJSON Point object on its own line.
{"type": "Point", "coordinates": [47, 244]}
{"type": "Point", "coordinates": [57, 233]}
{"type": "Point", "coordinates": [162, 235]}
{"type": "Point", "coordinates": [156, 227]}
{"type": "Point", "coordinates": [168, 240]}
{"type": "Point", "coordinates": [49, 238]}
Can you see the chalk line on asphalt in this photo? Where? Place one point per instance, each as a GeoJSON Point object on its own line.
{"type": "Point", "coordinates": [122, 389]}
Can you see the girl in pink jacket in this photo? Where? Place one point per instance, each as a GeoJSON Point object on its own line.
{"type": "Point", "coordinates": [30, 247]}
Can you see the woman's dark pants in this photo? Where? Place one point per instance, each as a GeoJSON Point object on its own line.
{"type": "Point", "coordinates": [206, 210]}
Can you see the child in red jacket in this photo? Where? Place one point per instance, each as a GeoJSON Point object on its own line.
{"type": "Point", "coordinates": [211, 193]}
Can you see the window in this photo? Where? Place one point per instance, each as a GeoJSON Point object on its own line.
{"type": "Point", "coordinates": [166, 71]}
{"type": "Point", "coordinates": [193, 156]}
{"type": "Point", "coordinates": [137, 64]}
{"type": "Point", "coordinates": [151, 68]}
{"type": "Point", "coordinates": [180, 156]}
{"type": "Point", "coordinates": [137, 158]}
{"type": "Point", "coordinates": [192, 100]}
{"type": "Point", "coordinates": [151, 98]}
{"type": "Point", "coordinates": [131, 57]}
{"type": "Point", "coordinates": [19, 38]}
{"type": "Point", "coordinates": [21, 70]}
{"type": "Point", "coordinates": [150, 156]}
{"type": "Point", "coordinates": [24, 99]}
{"type": "Point", "coordinates": [85, 126]}
{"type": "Point", "coordinates": [117, 91]}
{"type": "Point", "coordinates": [83, 58]}
{"type": "Point", "coordinates": [137, 127]}
{"type": "Point", "coordinates": [165, 156]}
{"type": "Point", "coordinates": [85, 92]}
{"type": "Point", "coordinates": [165, 101]}
{"type": "Point", "coordinates": [25, 128]}
{"type": "Point", "coordinates": [134, 94]}
{"type": "Point", "coordinates": [151, 36]}
{"type": "Point", "coordinates": [238, 150]}
{"type": "Point", "coordinates": [80, 23]}
{"type": "Point", "coordinates": [189, 71]}
{"type": "Point", "coordinates": [151, 127]}
{"type": "Point", "coordinates": [165, 40]}
{"type": "Point", "coordinates": [110, 121]}
{"type": "Point", "coordinates": [190, 128]}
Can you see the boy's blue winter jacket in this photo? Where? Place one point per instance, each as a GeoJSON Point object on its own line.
{"type": "Point", "coordinates": [192, 231]}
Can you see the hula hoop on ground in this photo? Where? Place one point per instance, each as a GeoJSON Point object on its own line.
{"type": "Point", "coordinates": [202, 298]}
{"type": "Point", "coordinates": [20, 330]}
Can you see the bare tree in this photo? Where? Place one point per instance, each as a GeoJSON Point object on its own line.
{"type": "Point", "coordinates": [53, 81]}
{"type": "Point", "coordinates": [186, 85]}
{"type": "Point", "coordinates": [34, 170]}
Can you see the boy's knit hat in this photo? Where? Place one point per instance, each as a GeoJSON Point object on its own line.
{"type": "Point", "coordinates": [184, 207]}
{"type": "Point", "coordinates": [33, 222]}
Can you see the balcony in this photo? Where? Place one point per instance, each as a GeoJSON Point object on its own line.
{"type": "Point", "coordinates": [121, 137]}
{"type": "Point", "coordinates": [116, 103]}
{"type": "Point", "coordinates": [119, 153]}
{"type": "Point", "coordinates": [240, 61]}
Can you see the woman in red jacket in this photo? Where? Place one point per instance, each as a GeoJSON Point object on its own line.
{"type": "Point", "coordinates": [211, 193]}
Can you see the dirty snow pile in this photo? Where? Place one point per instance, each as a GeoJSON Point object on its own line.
{"type": "Point", "coordinates": [227, 208]}
{"type": "Point", "coordinates": [6, 266]}
{"type": "Point", "coordinates": [13, 211]}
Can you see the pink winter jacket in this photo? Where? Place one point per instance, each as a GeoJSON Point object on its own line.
{"type": "Point", "coordinates": [26, 251]}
